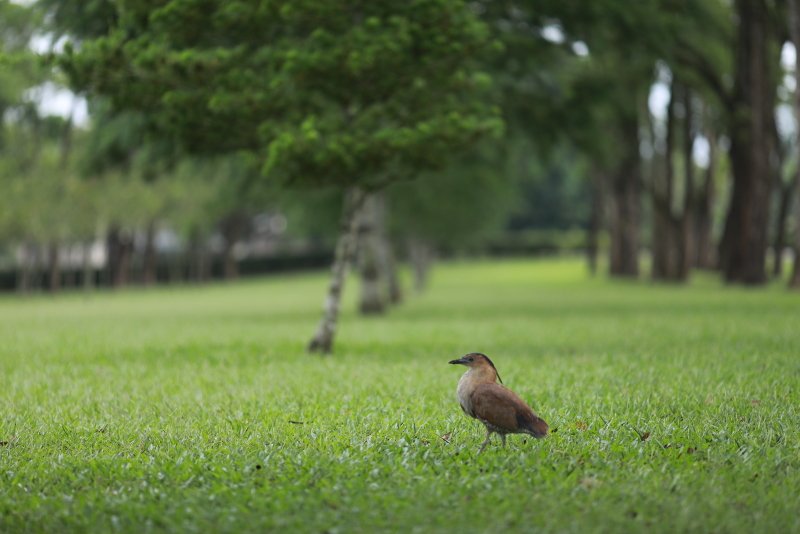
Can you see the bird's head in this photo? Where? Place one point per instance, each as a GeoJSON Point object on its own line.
{"type": "Point", "coordinates": [477, 360]}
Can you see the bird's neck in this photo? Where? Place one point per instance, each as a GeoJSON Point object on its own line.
{"type": "Point", "coordinates": [480, 375]}
{"type": "Point", "coordinates": [474, 377]}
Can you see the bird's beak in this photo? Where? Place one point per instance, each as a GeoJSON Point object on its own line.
{"type": "Point", "coordinates": [460, 361]}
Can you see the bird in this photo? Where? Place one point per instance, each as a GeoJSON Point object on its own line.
{"type": "Point", "coordinates": [501, 410]}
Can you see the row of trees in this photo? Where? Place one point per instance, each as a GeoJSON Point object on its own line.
{"type": "Point", "coordinates": [419, 118]}
{"type": "Point", "coordinates": [718, 62]}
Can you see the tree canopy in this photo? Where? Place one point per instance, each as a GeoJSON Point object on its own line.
{"type": "Point", "coordinates": [351, 93]}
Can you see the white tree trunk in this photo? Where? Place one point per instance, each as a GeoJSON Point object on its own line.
{"type": "Point", "coordinates": [394, 290]}
{"type": "Point", "coordinates": [323, 338]}
{"type": "Point", "coordinates": [393, 277]}
{"type": "Point", "coordinates": [372, 261]}
{"type": "Point", "coordinates": [420, 256]}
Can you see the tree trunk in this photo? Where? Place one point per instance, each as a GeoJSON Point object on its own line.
{"type": "Point", "coordinates": [661, 245]}
{"type": "Point", "coordinates": [794, 281]}
{"type": "Point", "coordinates": [119, 247]}
{"type": "Point", "coordinates": [394, 290]}
{"type": "Point", "coordinates": [231, 266]}
{"type": "Point", "coordinates": [663, 228]}
{"type": "Point", "coordinates": [785, 193]}
{"type": "Point", "coordinates": [704, 257]}
{"type": "Point", "coordinates": [70, 273]}
{"type": "Point", "coordinates": [88, 270]}
{"type": "Point", "coordinates": [672, 238]}
{"type": "Point", "coordinates": [371, 261]}
{"type": "Point", "coordinates": [393, 278]}
{"type": "Point", "coordinates": [203, 264]}
{"type": "Point", "coordinates": [745, 242]}
{"type": "Point", "coordinates": [625, 205]}
{"type": "Point", "coordinates": [595, 221]}
{"type": "Point", "coordinates": [26, 269]}
{"type": "Point", "coordinates": [122, 276]}
{"type": "Point", "coordinates": [176, 268]}
{"type": "Point", "coordinates": [794, 32]}
{"type": "Point", "coordinates": [323, 338]}
{"type": "Point", "coordinates": [784, 196]}
{"type": "Point", "coordinates": [199, 258]}
{"type": "Point", "coordinates": [233, 228]}
{"type": "Point", "coordinates": [669, 253]}
{"type": "Point", "coordinates": [113, 252]}
{"type": "Point", "coordinates": [37, 267]}
{"type": "Point", "coordinates": [149, 261]}
{"type": "Point", "coordinates": [54, 252]}
{"type": "Point", "coordinates": [419, 254]}
{"type": "Point", "coordinates": [53, 268]}
{"type": "Point", "coordinates": [686, 224]}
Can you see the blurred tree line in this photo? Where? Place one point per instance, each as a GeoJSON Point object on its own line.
{"type": "Point", "coordinates": [383, 131]}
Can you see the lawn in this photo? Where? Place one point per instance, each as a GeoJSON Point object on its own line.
{"type": "Point", "coordinates": [197, 409]}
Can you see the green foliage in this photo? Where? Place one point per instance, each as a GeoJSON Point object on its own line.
{"type": "Point", "coordinates": [552, 192]}
{"type": "Point", "coordinates": [555, 95]}
{"type": "Point", "coordinates": [671, 409]}
{"type": "Point", "coordinates": [114, 142]}
{"type": "Point", "coordinates": [456, 207]}
{"type": "Point", "coordinates": [107, 180]}
{"type": "Point", "coordinates": [79, 18]}
{"type": "Point", "coordinates": [538, 242]}
{"type": "Point", "coordinates": [326, 94]}
{"type": "Point", "coordinates": [19, 68]}
{"type": "Point", "coordinates": [43, 196]}
{"type": "Point", "coordinates": [313, 212]}
{"type": "Point", "coordinates": [323, 92]}
{"type": "Point", "coordinates": [494, 190]}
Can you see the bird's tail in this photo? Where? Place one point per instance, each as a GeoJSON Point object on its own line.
{"type": "Point", "coordinates": [537, 427]}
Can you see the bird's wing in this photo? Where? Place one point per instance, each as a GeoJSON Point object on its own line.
{"type": "Point", "coordinates": [502, 408]}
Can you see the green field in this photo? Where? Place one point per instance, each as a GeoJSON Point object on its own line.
{"type": "Point", "coordinates": [197, 409]}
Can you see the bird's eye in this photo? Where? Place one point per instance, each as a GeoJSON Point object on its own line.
{"type": "Point", "coordinates": [471, 360]}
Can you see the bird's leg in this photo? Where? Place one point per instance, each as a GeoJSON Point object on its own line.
{"type": "Point", "coordinates": [503, 437]}
{"type": "Point", "coordinates": [486, 442]}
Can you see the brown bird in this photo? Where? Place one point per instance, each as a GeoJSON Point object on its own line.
{"type": "Point", "coordinates": [494, 405]}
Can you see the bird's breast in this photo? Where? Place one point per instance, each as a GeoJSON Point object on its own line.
{"type": "Point", "coordinates": [464, 391]}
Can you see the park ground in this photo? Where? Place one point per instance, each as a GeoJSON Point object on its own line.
{"type": "Point", "coordinates": [198, 410]}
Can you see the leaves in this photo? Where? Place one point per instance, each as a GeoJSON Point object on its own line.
{"type": "Point", "coordinates": [324, 92]}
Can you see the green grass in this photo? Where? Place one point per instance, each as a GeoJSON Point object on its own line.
{"type": "Point", "coordinates": [173, 410]}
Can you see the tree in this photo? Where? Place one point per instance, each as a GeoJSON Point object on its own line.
{"type": "Point", "coordinates": [752, 105]}
{"type": "Point", "coordinates": [673, 227]}
{"type": "Point", "coordinates": [19, 69]}
{"type": "Point", "coordinates": [18, 72]}
{"type": "Point", "coordinates": [437, 212]}
{"type": "Point", "coordinates": [373, 261]}
{"type": "Point", "coordinates": [581, 73]}
{"type": "Point", "coordinates": [794, 32]}
{"type": "Point", "coordinates": [704, 255]}
{"type": "Point", "coordinates": [355, 94]}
